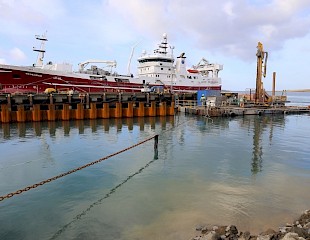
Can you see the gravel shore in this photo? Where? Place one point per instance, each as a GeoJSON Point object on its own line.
{"type": "Point", "coordinates": [298, 230]}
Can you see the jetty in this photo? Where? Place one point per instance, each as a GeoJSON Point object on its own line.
{"type": "Point", "coordinates": [79, 106]}
{"type": "Point", "coordinates": [231, 111]}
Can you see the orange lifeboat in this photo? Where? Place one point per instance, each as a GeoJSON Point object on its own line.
{"type": "Point", "coordinates": [192, 70]}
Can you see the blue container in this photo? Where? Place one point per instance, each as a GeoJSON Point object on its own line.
{"type": "Point", "coordinates": [207, 93]}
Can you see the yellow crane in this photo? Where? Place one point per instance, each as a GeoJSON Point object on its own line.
{"type": "Point", "coordinates": [262, 56]}
{"type": "Point", "coordinates": [261, 96]}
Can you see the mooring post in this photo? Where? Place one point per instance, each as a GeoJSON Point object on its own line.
{"type": "Point", "coordinates": [156, 147]}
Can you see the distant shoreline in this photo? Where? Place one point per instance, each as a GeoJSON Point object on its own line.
{"type": "Point", "coordinates": [253, 90]}
{"type": "Point", "coordinates": [299, 90]}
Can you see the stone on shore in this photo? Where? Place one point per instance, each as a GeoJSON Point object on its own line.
{"type": "Point", "coordinates": [299, 230]}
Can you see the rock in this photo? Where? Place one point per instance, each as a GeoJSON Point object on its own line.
{"type": "Point", "coordinates": [221, 230]}
{"type": "Point", "coordinates": [277, 236]}
{"type": "Point", "coordinates": [246, 235]}
{"type": "Point", "coordinates": [231, 232]}
{"type": "Point", "coordinates": [199, 228]}
{"type": "Point", "coordinates": [267, 235]}
{"type": "Point", "coordinates": [214, 228]}
{"type": "Point", "coordinates": [304, 218]}
{"type": "Point", "coordinates": [284, 229]}
{"type": "Point", "coordinates": [291, 236]}
{"type": "Point", "coordinates": [212, 236]}
{"type": "Point", "coordinates": [301, 232]}
{"type": "Point", "coordinates": [204, 230]}
{"type": "Point", "coordinates": [263, 237]}
{"type": "Point", "coordinates": [307, 225]}
{"type": "Point", "coordinates": [232, 229]}
{"type": "Point", "coordinates": [216, 236]}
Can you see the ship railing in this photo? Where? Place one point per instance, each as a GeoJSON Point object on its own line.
{"type": "Point", "coordinates": [185, 103]}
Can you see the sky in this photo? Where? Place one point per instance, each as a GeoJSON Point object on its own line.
{"type": "Point", "coordinates": [221, 31]}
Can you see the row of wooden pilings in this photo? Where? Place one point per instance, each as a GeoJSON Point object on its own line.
{"type": "Point", "coordinates": [65, 112]}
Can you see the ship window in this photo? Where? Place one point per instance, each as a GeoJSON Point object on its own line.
{"type": "Point", "coordinates": [16, 75]}
{"type": "Point", "coordinates": [161, 69]}
{"type": "Point", "coordinates": [160, 64]}
{"type": "Point", "coordinates": [156, 60]}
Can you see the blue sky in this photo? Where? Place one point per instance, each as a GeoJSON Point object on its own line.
{"type": "Point", "coordinates": [222, 31]}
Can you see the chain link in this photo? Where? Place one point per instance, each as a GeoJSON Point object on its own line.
{"type": "Point", "coordinates": [9, 195]}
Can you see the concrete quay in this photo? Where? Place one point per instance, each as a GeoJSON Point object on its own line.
{"type": "Point", "coordinates": [232, 111]}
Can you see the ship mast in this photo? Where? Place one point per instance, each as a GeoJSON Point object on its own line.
{"type": "Point", "coordinates": [40, 51]}
{"type": "Point", "coordinates": [162, 48]}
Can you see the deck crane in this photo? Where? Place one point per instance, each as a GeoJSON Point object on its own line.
{"type": "Point", "coordinates": [109, 64]}
{"type": "Point", "coordinates": [262, 56]}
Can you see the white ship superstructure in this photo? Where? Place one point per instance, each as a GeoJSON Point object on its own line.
{"type": "Point", "coordinates": [160, 68]}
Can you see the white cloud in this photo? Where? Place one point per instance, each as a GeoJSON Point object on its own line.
{"type": "Point", "coordinates": [107, 29]}
{"type": "Point", "coordinates": [24, 15]}
{"type": "Point", "coordinates": [2, 61]}
{"type": "Point", "coordinates": [17, 55]}
{"type": "Point", "coordinates": [215, 25]}
{"type": "Point", "coordinates": [228, 9]}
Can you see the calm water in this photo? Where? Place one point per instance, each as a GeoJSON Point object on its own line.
{"type": "Point", "coordinates": [250, 171]}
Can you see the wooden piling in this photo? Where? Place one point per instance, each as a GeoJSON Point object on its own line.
{"type": "Point", "coordinates": [171, 110]}
{"type": "Point", "coordinates": [21, 116]}
{"type": "Point", "coordinates": [79, 113]}
{"type": "Point", "coordinates": [141, 109]}
{"type": "Point", "coordinates": [65, 112]}
{"type": "Point", "coordinates": [36, 113]}
{"type": "Point", "coordinates": [51, 114]}
{"type": "Point", "coordinates": [5, 113]}
{"type": "Point", "coordinates": [152, 109]}
{"type": "Point", "coordinates": [106, 110]}
{"type": "Point", "coordinates": [118, 110]}
{"type": "Point", "coordinates": [93, 111]}
{"type": "Point", "coordinates": [128, 112]}
{"type": "Point", "coordinates": [162, 109]}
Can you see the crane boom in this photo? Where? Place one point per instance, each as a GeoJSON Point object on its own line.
{"type": "Point", "coordinates": [261, 72]}
{"type": "Point", "coordinates": [108, 63]}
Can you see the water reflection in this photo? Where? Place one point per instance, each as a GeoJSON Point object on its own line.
{"type": "Point", "coordinates": [120, 124]}
{"type": "Point", "coordinates": [260, 124]}
{"type": "Point", "coordinates": [257, 126]}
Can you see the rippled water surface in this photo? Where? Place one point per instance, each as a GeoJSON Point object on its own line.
{"type": "Point", "coordinates": [251, 171]}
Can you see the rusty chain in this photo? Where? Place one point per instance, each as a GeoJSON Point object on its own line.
{"type": "Point", "coordinates": [9, 195]}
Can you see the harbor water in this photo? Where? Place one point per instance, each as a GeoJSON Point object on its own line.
{"type": "Point", "coordinates": [251, 171]}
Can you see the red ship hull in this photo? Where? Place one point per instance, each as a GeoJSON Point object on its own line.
{"type": "Point", "coordinates": [31, 80]}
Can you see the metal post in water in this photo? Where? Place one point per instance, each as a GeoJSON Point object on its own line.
{"type": "Point", "coordinates": [273, 86]}
{"type": "Point", "coordinates": [156, 147]}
